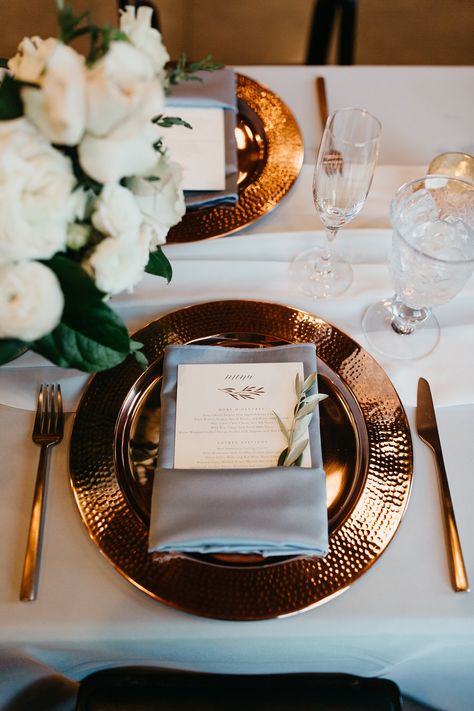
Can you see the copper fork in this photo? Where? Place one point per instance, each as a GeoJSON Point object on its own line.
{"type": "Point", "coordinates": [332, 160]}
{"type": "Point", "coordinates": [47, 433]}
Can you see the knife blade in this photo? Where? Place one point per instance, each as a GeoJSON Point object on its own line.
{"type": "Point", "coordinates": [427, 429]}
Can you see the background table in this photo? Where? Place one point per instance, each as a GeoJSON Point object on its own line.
{"type": "Point", "coordinates": [401, 619]}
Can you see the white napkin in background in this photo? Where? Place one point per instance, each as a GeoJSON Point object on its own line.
{"type": "Point", "coordinates": [272, 512]}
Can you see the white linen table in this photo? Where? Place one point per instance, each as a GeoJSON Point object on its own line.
{"type": "Point", "coordinates": [401, 619]}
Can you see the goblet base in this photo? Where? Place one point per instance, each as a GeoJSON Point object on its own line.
{"type": "Point", "coordinates": [376, 324]}
{"type": "Point", "coordinates": [320, 277]}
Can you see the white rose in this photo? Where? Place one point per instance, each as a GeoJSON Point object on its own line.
{"type": "Point", "coordinates": [160, 201]}
{"type": "Point", "coordinates": [118, 85]}
{"type": "Point", "coordinates": [116, 213]}
{"type": "Point", "coordinates": [78, 203]}
{"type": "Point", "coordinates": [136, 24]}
{"type": "Point", "coordinates": [36, 182]}
{"type": "Point", "coordinates": [31, 58]}
{"type": "Point", "coordinates": [58, 105]}
{"type": "Point", "coordinates": [118, 265]}
{"type": "Point", "coordinates": [126, 150]}
{"type": "Point", "coordinates": [31, 301]}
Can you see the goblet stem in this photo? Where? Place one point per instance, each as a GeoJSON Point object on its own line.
{"type": "Point", "coordinates": [405, 319]}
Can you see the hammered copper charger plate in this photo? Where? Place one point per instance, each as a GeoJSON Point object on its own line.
{"type": "Point", "coordinates": [270, 155]}
{"type": "Point", "coordinates": [367, 454]}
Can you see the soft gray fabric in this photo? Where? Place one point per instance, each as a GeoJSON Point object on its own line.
{"type": "Point", "coordinates": [217, 89]}
{"type": "Point", "coordinates": [275, 511]}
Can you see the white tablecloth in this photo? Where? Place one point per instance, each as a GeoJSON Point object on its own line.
{"type": "Point", "coordinates": [401, 619]}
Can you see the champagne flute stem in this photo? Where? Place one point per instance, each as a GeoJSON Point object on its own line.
{"type": "Point", "coordinates": [326, 255]}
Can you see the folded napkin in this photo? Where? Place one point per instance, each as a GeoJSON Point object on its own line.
{"type": "Point", "coordinates": [215, 90]}
{"type": "Point", "coordinates": [268, 511]}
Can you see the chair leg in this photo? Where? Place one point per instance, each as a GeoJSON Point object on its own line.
{"type": "Point", "coordinates": [347, 31]}
{"type": "Point", "coordinates": [322, 25]}
{"type": "Point", "coordinates": [322, 28]}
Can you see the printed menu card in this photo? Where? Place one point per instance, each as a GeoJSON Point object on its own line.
{"type": "Point", "coordinates": [226, 414]}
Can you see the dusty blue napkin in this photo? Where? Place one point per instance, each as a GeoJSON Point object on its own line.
{"type": "Point", "coordinates": [272, 512]}
{"type": "Point", "coordinates": [217, 89]}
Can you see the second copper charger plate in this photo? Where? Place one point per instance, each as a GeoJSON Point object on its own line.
{"type": "Point", "coordinates": [367, 454]}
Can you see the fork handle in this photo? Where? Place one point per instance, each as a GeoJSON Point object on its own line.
{"type": "Point", "coordinates": [31, 566]}
{"type": "Point", "coordinates": [456, 561]}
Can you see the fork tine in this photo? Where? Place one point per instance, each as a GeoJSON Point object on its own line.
{"type": "Point", "coordinates": [39, 409]}
{"type": "Point", "coordinates": [60, 414]}
{"type": "Point", "coordinates": [47, 409]}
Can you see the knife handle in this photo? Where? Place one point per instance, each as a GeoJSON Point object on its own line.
{"type": "Point", "coordinates": [455, 557]}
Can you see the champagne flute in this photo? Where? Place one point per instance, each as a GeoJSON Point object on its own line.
{"type": "Point", "coordinates": [342, 178]}
{"type": "Point", "coordinates": [432, 259]}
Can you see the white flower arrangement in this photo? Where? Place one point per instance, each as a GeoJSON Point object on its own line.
{"type": "Point", "coordinates": [87, 191]}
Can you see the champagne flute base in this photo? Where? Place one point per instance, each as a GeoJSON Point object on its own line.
{"type": "Point", "coordinates": [376, 324]}
{"type": "Point", "coordinates": [320, 278]}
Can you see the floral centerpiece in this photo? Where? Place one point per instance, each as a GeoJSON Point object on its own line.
{"type": "Point", "coordinates": [87, 190]}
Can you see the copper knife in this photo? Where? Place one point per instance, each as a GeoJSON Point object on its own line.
{"type": "Point", "coordinates": [427, 428]}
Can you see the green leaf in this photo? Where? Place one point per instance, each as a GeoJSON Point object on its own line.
{"type": "Point", "coordinates": [295, 452]}
{"type": "Point", "coordinates": [10, 348]}
{"type": "Point", "coordinates": [302, 414]}
{"type": "Point", "coordinates": [182, 70]}
{"type": "Point", "coordinates": [159, 265]}
{"type": "Point", "coordinates": [69, 23]}
{"type": "Point", "coordinates": [75, 282]}
{"type": "Point", "coordinates": [140, 357]}
{"type": "Point", "coordinates": [11, 105]}
{"type": "Point", "coordinates": [315, 398]}
{"type": "Point", "coordinates": [168, 121]}
{"type": "Point", "coordinates": [298, 385]}
{"type": "Point", "coordinates": [282, 427]}
{"type": "Point", "coordinates": [77, 346]}
{"type": "Point", "coordinates": [282, 457]}
{"type": "Point", "coordinates": [90, 336]}
{"type": "Point", "coordinates": [309, 382]}
{"type": "Point", "coordinates": [307, 409]}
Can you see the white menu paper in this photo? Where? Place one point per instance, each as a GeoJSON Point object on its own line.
{"type": "Point", "coordinates": [199, 150]}
{"type": "Point", "coordinates": [225, 414]}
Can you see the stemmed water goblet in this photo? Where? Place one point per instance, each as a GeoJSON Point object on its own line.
{"type": "Point", "coordinates": [432, 258]}
{"type": "Point", "coordinates": [342, 178]}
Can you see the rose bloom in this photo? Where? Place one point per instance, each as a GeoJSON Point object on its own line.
{"type": "Point", "coordinates": [116, 213]}
{"type": "Point", "coordinates": [160, 201]}
{"type": "Point", "coordinates": [118, 265]}
{"type": "Point", "coordinates": [58, 105]}
{"type": "Point", "coordinates": [118, 85]}
{"type": "Point", "coordinates": [36, 198]}
{"type": "Point", "coordinates": [128, 148]}
{"type": "Point", "coordinates": [136, 24]}
{"type": "Point", "coordinates": [31, 58]}
{"type": "Point", "coordinates": [31, 301]}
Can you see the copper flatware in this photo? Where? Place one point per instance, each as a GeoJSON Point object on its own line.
{"type": "Point", "coordinates": [428, 431]}
{"type": "Point", "coordinates": [322, 100]}
{"type": "Point", "coordinates": [332, 160]}
{"type": "Point", "coordinates": [47, 432]}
